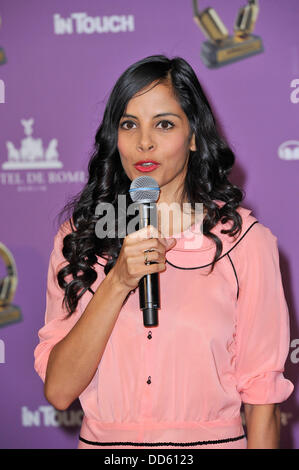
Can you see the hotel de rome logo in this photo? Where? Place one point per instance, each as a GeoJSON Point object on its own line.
{"type": "Point", "coordinates": [33, 154]}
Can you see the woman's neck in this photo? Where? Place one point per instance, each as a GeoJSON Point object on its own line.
{"type": "Point", "coordinates": [172, 220]}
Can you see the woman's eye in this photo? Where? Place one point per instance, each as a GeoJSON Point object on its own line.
{"type": "Point", "coordinates": [165, 125]}
{"type": "Point", "coordinates": [127, 125]}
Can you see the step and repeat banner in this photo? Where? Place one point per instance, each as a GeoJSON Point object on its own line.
{"type": "Point", "coordinates": [59, 60]}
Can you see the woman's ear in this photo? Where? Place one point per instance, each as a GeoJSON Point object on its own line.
{"type": "Point", "coordinates": [192, 145]}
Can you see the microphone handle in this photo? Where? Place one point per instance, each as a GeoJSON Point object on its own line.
{"type": "Point", "coordinates": [149, 288]}
{"type": "Point", "coordinates": [149, 298]}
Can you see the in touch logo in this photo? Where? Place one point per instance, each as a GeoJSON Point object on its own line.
{"type": "Point", "coordinates": [48, 416]}
{"type": "Point", "coordinates": [81, 23]}
{"type": "Point", "coordinates": [31, 154]}
{"type": "Point", "coordinates": [289, 150]}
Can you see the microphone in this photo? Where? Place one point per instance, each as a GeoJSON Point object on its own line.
{"type": "Point", "coordinates": [144, 191]}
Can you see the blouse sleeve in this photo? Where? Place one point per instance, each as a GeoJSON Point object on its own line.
{"type": "Point", "coordinates": [56, 325]}
{"type": "Point", "coordinates": [262, 334]}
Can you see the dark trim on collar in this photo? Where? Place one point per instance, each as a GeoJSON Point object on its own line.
{"type": "Point", "coordinates": [205, 265]}
{"type": "Point", "coordinates": [233, 266]}
{"type": "Point", "coordinates": [71, 225]}
{"type": "Point", "coordinates": [222, 256]}
{"type": "Point", "coordinates": [100, 264]}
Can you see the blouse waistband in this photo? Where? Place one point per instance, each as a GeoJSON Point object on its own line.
{"type": "Point", "coordinates": [155, 434]}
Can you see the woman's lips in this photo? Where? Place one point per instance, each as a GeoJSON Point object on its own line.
{"type": "Point", "coordinates": [147, 168]}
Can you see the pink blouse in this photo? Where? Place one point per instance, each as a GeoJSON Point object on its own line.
{"type": "Point", "coordinates": [222, 339]}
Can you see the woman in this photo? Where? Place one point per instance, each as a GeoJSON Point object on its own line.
{"type": "Point", "coordinates": [223, 333]}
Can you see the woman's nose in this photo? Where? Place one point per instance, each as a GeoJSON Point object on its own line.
{"type": "Point", "coordinates": [145, 142]}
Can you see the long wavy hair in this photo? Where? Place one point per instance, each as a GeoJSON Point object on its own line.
{"type": "Point", "coordinates": [206, 177]}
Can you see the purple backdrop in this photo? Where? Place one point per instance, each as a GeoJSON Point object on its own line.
{"type": "Point", "coordinates": [62, 59]}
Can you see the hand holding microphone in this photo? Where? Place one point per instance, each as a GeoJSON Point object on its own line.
{"type": "Point", "coordinates": [130, 266]}
{"type": "Point", "coordinates": [140, 260]}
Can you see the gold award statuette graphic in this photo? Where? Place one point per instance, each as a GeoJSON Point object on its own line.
{"type": "Point", "coordinates": [221, 48]}
{"type": "Point", "coordinates": [2, 53]}
{"type": "Point", "coordinates": [9, 313]}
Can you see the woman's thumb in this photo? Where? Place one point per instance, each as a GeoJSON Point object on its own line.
{"type": "Point", "coordinates": [171, 242]}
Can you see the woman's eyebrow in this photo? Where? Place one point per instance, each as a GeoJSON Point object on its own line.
{"type": "Point", "coordinates": [156, 116]}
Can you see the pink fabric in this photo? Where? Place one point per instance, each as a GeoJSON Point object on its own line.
{"type": "Point", "coordinates": [210, 352]}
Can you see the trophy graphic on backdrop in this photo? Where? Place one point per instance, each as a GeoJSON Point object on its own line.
{"type": "Point", "coordinates": [2, 53]}
{"type": "Point", "coordinates": [221, 48]}
{"type": "Point", "coordinates": [9, 313]}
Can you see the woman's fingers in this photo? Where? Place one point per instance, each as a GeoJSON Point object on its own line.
{"type": "Point", "coordinates": [142, 252]}
{"type": "Point", "coordinates": [150, 238]}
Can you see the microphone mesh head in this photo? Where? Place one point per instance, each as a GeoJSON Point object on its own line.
{"type": "Point", "coordinates": [144, 189]}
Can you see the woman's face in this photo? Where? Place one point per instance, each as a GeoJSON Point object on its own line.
{"type": "Point", "coordinates": [155, 128]}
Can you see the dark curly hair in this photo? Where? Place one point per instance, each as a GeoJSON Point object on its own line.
{"type": "Point", "coordinates": [206, 179]}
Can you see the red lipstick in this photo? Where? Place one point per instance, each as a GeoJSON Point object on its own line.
{"type": "Point", "coordinates": [149, 165]}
